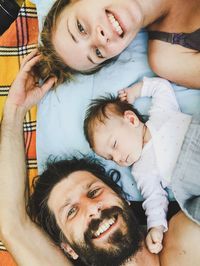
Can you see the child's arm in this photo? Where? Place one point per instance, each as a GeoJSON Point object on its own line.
{"type": "Point", "coordinates": [132, 93]}
{"type": "Point", "coordinates": [161, 91]}
{"type": "Point", "coordinates": [155, 205]}
{"type": "Point", "coordinates": [154, 239]}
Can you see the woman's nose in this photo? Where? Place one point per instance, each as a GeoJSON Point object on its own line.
{"type": "Point", "coordinates": [102, 36]}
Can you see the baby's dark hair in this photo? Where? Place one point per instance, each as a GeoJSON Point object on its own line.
{"type": "Point", "coordinates": [99, 110]}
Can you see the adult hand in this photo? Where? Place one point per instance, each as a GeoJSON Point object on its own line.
{"type": "Point", "coordinates": [25, 91]}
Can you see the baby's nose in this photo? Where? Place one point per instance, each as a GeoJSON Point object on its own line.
{"type": "Point", "coordinates": [117, 157]}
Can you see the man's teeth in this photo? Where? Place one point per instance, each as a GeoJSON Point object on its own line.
{"type": "Point", "coordinates": [104, 226]}
{"type": "Point", "coordinates": [115, 24]}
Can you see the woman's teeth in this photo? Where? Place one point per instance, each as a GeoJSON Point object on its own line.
{"type": "Point", "coordinates": [115, 24]}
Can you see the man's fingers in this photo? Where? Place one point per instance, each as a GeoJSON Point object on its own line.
{"type": "Point", "coordinates": [29, 56]}
{"type": "Point", "coordinates": [48, 84]}
{"type": "Point", "coordinates": [29, 64]}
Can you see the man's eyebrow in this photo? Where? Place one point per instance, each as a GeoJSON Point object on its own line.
{"type": "Point", "coordinates": [72, 36]}
{"type": "Point", "coordinates": [88, 186]}
{"type": "Point", "coordinates": [66, 203]}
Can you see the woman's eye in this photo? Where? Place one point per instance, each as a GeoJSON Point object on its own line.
{"type": "Point", "coordinates": [80, 27]}
{"type": "Point", "coordinates": [98, 53]}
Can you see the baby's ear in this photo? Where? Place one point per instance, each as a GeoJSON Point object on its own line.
{"type": "Point", "coordinates": [69, 250]}
{"type": "Point", "coordinates": [131, 117]}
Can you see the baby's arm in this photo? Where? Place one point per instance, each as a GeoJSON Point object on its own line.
{"type": "Point", "coordinates": [132, 93]}
{"type": "Point", "coordinates": [159, 89]}
{"type": "Point", "coordinates": [155, 205]}
{"type": "Point", "coordinates": [154, 239]}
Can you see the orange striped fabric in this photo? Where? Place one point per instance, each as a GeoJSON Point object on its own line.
{"type": "Point", "coordinates": [19, 40]}
{"type": "Point", "coordinates": [6, 259]}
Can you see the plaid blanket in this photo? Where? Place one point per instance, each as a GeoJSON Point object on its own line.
{"type": "Point", "coordinates": [19, 40]}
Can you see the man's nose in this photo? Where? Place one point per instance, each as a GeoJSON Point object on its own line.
{"type": "Point", "coordinates": [94, 208]}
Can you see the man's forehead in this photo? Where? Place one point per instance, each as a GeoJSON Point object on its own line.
{"type": "Point", "coordinates": [68, 187]}
{"type": "Point", "coordinates": [78, 179]}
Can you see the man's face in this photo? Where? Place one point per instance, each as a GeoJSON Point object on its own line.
{"type": "Point", "coordinates": [97, 223]}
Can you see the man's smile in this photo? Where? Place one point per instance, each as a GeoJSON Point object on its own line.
{"type": "Point", "coordinates": [105, 227]}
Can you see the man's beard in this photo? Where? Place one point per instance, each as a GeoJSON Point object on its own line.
{"type": "Point", "coordinates": [123, 244]}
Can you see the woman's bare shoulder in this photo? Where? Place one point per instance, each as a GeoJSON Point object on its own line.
{"type": "Point", "coordinates": [175, 63]}
{"type": "Point", "coordinates": [181, 242]}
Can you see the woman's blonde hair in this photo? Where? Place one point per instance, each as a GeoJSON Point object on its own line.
{"type": "Point", "coordinates": [51, 63]}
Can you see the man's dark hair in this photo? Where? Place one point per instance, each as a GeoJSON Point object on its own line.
{"type": "Point", "coordinates": [100, 109]}
{"type": "Point", "coordinates": [56, 171]}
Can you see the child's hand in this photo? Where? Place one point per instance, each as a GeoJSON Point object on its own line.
{"type": "Point", "coordinates": [131, 94]}
{"type": "Point", "coordinates": [154, 239]}
{"type": "Point", "coordinates": [25, 90]}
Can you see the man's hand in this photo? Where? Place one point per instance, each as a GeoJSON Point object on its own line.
{"type": "Point", "coordinates": [25, 91]}
{"type": "Point", "coordinates": [154, 239]}
{"type": "Point", "coordinates": [131, 94]}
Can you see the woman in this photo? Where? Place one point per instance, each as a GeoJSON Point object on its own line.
{"type": "Point", "coordinates": [81, 36]}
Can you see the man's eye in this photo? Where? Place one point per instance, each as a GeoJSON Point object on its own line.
{"type": "Point", "coordinates": [93, 193]}
{"type": "Point", "coordinates": [98, 53]}
{"type": "Point", "coordinates": [71, 212]}
{"type": "Point", "coordinates": [80, 27]}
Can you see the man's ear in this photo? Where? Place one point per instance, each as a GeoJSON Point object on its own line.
{"type": "Point", "coordinates": [67, 248]}
{"type": "Point", "coordinates": [131, 117]}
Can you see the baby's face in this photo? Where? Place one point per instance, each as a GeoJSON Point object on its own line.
{"type": "Point", "coordinates": [119, 139]}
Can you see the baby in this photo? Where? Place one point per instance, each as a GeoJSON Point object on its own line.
{"type": "Point", "coordinates": [116, 131]}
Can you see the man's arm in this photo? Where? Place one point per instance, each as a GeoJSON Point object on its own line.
{"type": "Point", "coordinates": [23, 239]}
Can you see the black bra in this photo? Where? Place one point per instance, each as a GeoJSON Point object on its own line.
{"type": "Point", "coordinates": [188, 40]}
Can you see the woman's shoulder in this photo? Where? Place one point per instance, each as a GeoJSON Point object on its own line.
{"type": "Point", "coordinates": [175, 63]}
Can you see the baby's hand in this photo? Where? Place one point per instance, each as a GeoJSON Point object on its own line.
{"type": "Point", "coordinates": [131, 94]}
{"type": "Point", "coordinates": [154, 239]}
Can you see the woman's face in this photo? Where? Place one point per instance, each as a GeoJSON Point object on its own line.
{"type": "Point", "coordinates": [89, 32]}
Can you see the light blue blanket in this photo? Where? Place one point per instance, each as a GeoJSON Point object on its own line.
{"type": "Point", "coordinates": [61, 112]}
